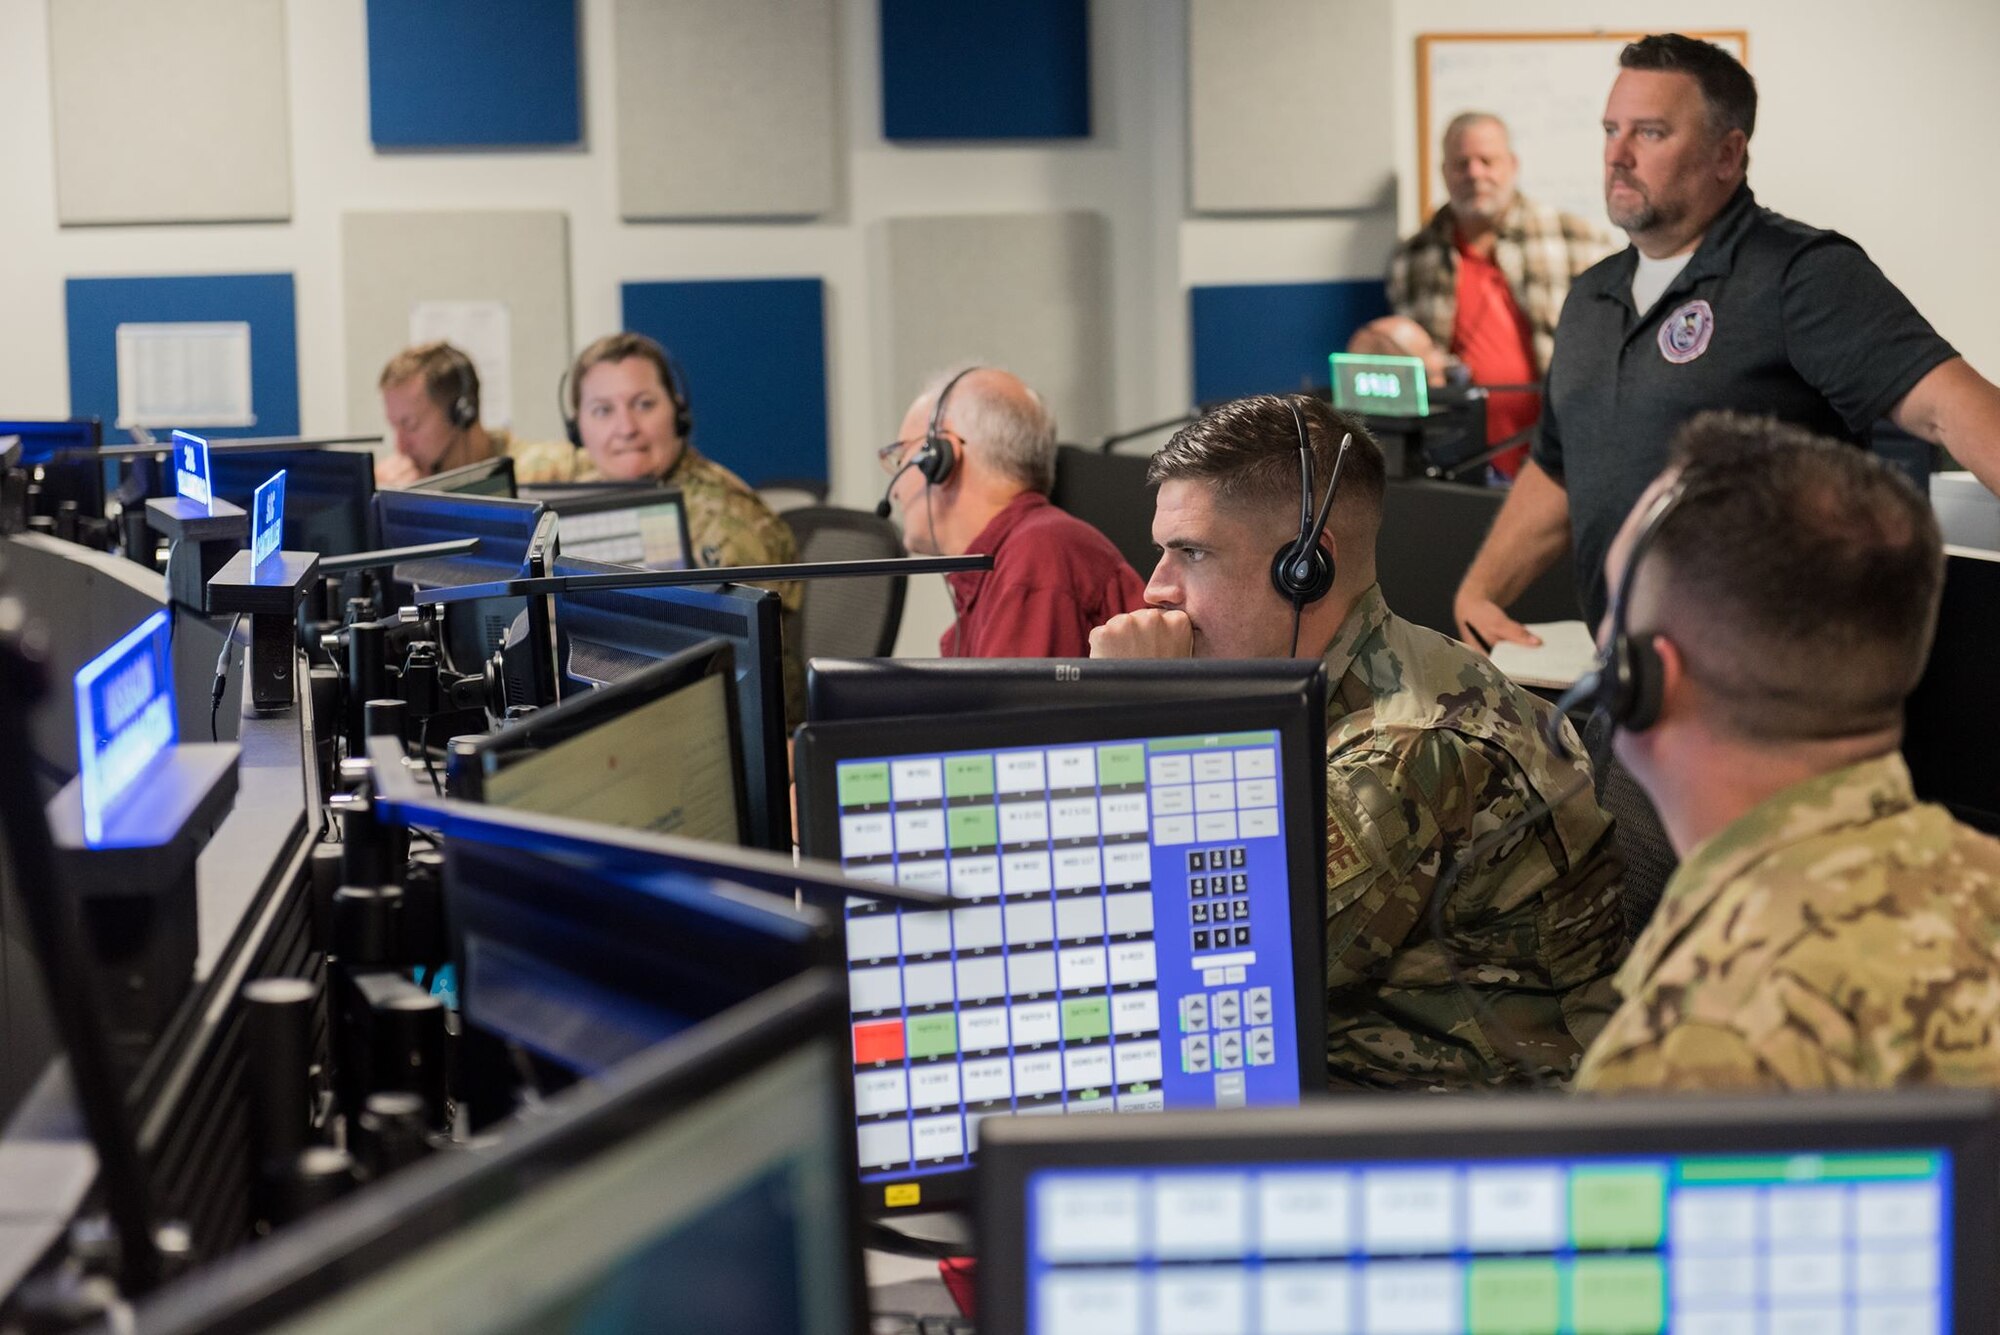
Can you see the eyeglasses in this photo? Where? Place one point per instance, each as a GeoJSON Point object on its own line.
{"type": "Point", "coordinates": [890, 456]}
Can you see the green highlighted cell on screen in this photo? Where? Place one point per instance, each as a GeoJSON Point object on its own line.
{"type": "Point", "coordinates": [1808, 1168]}
{"type": "Point", "coordinates": [1513, 1298]}
{"type": "Point", "coordinates": [1617, 1209]}
{"type": "Point", "coordinates": [968, 776]}
{"type": "Point", "coordinates": [864, 785]}
{"type": "Point", "coordinates": [973, 827]}
{"type": "Point", "coordinates": [1085, 1019]}
{"type": "Point", "coordinates": [1118, 765]}
{"type": "Point", "coordinates": [1618, 1295]}
{"type": "Point", "coordinates": [932, 1035]}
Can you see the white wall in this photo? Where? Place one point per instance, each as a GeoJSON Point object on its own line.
{"type": "Point", "coordinates": [1873, 122]}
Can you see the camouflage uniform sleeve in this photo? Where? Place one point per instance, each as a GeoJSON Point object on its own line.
{"type": "Point", "coordinates": [1691, 1056]}
{"type": "Point", "coordinates": [539, 461]}
{"type": "Point", "coordinates": [1382, 857]}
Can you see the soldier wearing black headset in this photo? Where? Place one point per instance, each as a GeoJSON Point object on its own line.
{"type": "Point", "coordinates": [430, 396]}
{"type": "Point", "coordinates": [1452, 962]}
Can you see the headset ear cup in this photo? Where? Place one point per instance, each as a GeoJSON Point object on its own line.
{"type": "Point", "coordinates": [1299, 579]}
{"type": "Point", "coordinates": [1642, 682]}
{"type": "Point", "coordinates": [462, 413]}
{"type": "Point", "coordinates": [938, 459]}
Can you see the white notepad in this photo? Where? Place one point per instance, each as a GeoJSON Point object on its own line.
{"type": "Point", "coordinates": [1566, 652]}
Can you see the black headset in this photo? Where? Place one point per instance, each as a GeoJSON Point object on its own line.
{"type": "Point", "coordinates": [1625, 683]}
{"type": "Point", "coordinates": [670, 377]}
{"type": "Point", "coordinates": [463, 413]}
{"type": "Point", "coordinates": [1302, 571]}
{"type": "Point", "coordinates": [937, 458]}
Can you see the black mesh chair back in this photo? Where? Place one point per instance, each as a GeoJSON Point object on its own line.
{"type": "Point", "coordinates": [848, 618]}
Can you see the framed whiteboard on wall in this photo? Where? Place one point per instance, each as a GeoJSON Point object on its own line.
{"type": "Point", "coordinates": [1549, 87]}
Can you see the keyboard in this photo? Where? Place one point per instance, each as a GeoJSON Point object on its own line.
{"type": "Point", "coordinates": [911, 1323]}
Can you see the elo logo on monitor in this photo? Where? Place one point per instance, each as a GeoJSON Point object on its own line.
{"type": "Point", "coordinates": [191, 468]}
{"type": "Point", "coordinates": [267, 522]}
{"type": "Point", "coordinates": [1380, 386]}
{"type": "Point", "coordinates": [124, 718]}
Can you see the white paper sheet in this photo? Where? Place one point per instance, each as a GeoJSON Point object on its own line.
{"type": "Point", "coordinates": [483, 331]}
{"type": "Point", "coordinates": [1566, 652]}
{"type": "Point", "coordinates": [184, 375]}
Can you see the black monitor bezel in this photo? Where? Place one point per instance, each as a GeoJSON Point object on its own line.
{"type": "Point", "coordinates": [360, 1238]}
{"type": "Point", "coordinates": [455, 481]}
{"type": "Point", "coordinates": [820, 746]}
{"type": "Point", "coordinates": [1500, 1127]}
{"type": "Point", "coordinates": [1942, 715]}
{"type": "Point", "coordinates": [736, 612]}
{"type": "Point", "coordinates": [864, 688]}
{"type": "Point", "coordinates": [473, 760]}
{"type": "Point", "coordinates": [303, 467]}
{"type": "Point", "coordinates": [601, 502]}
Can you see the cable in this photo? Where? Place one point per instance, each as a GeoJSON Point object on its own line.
{"type": "Point", "coordinates": [221, 685]}
{"type": "Point", "coordinates": [424, 745]}
{"type": "Point", "coordinates": [1441, 891]}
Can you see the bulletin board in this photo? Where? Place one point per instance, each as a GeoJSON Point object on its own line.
{"type": "Point", "coordinates": [1549, 87]}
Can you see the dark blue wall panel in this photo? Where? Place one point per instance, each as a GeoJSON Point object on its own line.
{"type": "Point", "coordinates": [753, 354]}
{"type": "Point", "coordinates": [443, 73]}
{"type": "Point", "coordinates": [1274, 338]}
{"type": "Point", "coordinates": [97, 306]}
{"type": "Point", "coordinates": [985, 69]}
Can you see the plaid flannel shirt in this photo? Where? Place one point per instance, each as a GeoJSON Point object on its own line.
{"type": "Point", "coordinates": [1539, 250]}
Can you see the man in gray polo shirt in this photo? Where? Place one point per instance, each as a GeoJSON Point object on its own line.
{"type": "Point", "coordinates": [1718, 303]}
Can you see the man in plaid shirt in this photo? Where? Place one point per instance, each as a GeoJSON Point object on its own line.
{"type": "Point", "coordinates": [1485, 280]}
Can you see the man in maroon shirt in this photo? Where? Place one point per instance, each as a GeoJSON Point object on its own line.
{"type": "Point", "coordinates": [971, 469]}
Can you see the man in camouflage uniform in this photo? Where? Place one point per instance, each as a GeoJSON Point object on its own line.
{"type": "Point", "coordinates": [1454, 959]}
{"type": "Point", "coordinates": [1825, 929]}
{"type": "Point", "coordinates": [630, 417]}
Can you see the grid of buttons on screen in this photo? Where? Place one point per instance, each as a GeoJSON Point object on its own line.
{"type": "Point", "coordinates": [1119, 938]}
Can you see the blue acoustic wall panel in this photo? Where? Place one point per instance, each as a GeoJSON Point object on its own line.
{"type": "Point", "coordinates": [985, 69]}
{"type": "Point", "coordinates": [1273, 338]}
{"type": "Point", "coordinates": [753, 354]}
{"type": "Point", "coordinates": [97, 306]}
{"type": "Point", "coordinates": [443, 73]}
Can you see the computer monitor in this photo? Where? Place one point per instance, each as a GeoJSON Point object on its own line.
{"type": "Point", "coordinates": [613, 633]}
{"type": "Point", "coordinates": [327, 494]}
{"type": "Point", "coordinates": [79, 478]}
{"type": "Point", "coordinates": [648, 528]}
{"type": "Point", "coordinates": [42, 438]}
{"type": "Point", "coordinates": [1951, 731]}
{"type": "Point", "coordinates": [1140, 916]}
{"type": "Point", "coordinates": [658, 751]}
{"type": "Point", "coordinates": [703, 1187]}
{"type": "Point", "coordinates": [516, 538]}
{"type": "Point", "coordinates": [487, 477]}
{"type": "Point", "coordinates": [839, 689]}
{"type": "Point", "coordinates": [1697, 1216]}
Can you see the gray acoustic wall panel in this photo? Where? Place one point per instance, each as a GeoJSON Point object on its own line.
{"type": "Point", "coordinates": [725, 108]}
{"type": "Point", "coordinates": [170, 111]}
{"type": "Point", "coordinates": [392, 261]}
{"type": "Point", "coordinates": [1289, 106]}
{"type": "Point", "coordinates": [1030, 292]}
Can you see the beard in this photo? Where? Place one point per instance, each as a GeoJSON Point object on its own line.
{"type": "Point", "coordinates": [1643, 216]}
{"type": "Point", "coordinates": [1489, 209]}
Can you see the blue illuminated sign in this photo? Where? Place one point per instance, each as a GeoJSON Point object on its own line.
{"type": "Point", "coordinates": [124, 716]}
{"type": "Point", "coordinates": [267, 510]}
{"type": "Point", "coordinates": [191, 467]}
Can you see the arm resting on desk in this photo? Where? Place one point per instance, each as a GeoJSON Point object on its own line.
{"type": "Point", "coordinates": [1958, 408]}
{"type": "Point", "coordinates": [1529, 535]}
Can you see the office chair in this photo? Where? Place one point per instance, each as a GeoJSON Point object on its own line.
{"type": "Point", "coordinates": [786, 494]}
{"type": "Point", "coordinates": [848, 618]}
{"type": "Point", "coordinates": [1642, 841]}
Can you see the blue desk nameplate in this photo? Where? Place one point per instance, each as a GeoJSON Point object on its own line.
{"type": "Point", "coordinates": [124, 718]}
{"type": "Point", "coordinates": [267, 519]}
{"type": "Point", "coordinates": [191, 468]}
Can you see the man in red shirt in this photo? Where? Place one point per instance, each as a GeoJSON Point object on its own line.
{"type": "Point", "coordinates": [1485, 279]}
{"type": "Point", "coordinates": [971, 471]}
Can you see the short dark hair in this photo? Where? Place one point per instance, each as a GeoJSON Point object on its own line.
{"type": "Point", "coordinates": [1727, 88]}
{"type": "Point", "coordinates": [447, 373]}
{"type": "Point", "coordinates": [1798, 576]}
{"type": "Point", "coordinates": [1249, 448]}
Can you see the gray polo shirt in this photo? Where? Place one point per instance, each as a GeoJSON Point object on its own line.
{"type": "Point", "coordinates": [1769, 316]}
